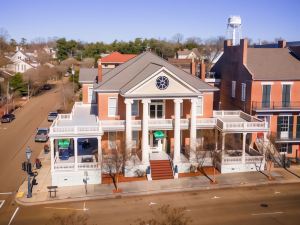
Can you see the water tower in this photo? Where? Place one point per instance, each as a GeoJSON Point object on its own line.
{"type": "Point", "coordinates": [234, 31]}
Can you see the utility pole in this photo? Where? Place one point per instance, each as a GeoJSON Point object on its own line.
{"type": "Point", "coordinates": [7, 96]}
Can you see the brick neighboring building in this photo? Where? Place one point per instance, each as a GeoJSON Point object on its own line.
{"type": "Point", "coordinates": [263, 82]}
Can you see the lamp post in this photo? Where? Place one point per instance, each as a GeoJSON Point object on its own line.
{"type": "Point", "coordinates": [73, 76]}
{"type": "Point", "coordinates": [28, 156]}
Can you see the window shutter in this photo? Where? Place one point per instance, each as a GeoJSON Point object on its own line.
{"type": "Point", "coordinates": [290, 149]}
{"type": "Point", "coordinates": [279, 119]}
{"type": "Point", "coordinates": [291, 119]}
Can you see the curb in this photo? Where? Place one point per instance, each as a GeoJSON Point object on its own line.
{"type": "Point", "coordinates": [154, 192]}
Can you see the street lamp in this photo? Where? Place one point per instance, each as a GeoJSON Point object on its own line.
{"type": "Point", "coordinates": [73, 76]}
{"type": "Point", "coordinates": [28, 156]}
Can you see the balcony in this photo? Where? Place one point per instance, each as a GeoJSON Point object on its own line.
{"type": "Point", "coordinates": [82, 120]}
{"type": "Point", "coordinates": [275, 106]}
{"type": "Point", "coordinates": [156, 124]}
{"type": "Point", "coordinates": [238, 121]}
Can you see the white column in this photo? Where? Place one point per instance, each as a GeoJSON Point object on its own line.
{"type": "Point", "coordinates": [216, 139]}
{"type": "Point", "coordinates": [128, 128]}
{"type": "Point", "coordinates": [52, 153]}
{"type": "Point", "coordinates": [99, 152]}
{"type": "Point", "coordinates": [223, 146]}
{"type": "Point", "coordinates": [244, 149]}
{"type": "Point", "coordinates": [145, 132]}
{"type": "Point", "coordinates": [177, 130]}
{"type": "Point", "coordinates": [193, 130]}
{"type": "Point", "coordinates": [76, 153]}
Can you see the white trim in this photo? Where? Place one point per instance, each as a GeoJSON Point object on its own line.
{"type": "Point", "coordinates": [267, 83]}
{"type": "Point", "coordinates": [116, 107]}
{"type": "Point", "coordinates": [154, 74]}
{"type": "Point", "coordinates": [287, 82]}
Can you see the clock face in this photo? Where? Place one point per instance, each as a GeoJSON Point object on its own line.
{"type": "Point", "coordinates": [162, 82]}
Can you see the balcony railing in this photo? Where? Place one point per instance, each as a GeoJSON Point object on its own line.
{"type": "Point", "coordinates": [277, 106]}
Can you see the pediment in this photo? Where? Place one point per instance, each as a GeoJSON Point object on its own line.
{"type": "Point", "coordinates": [162, 82]}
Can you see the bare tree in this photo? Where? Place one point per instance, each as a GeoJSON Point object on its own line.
{"type": "Point", "coordinates": [205, 152]}
{"type": "Point", "coordinates": [88, 62]}
{"type": "Point", "coordinates": [178, 38]}
{"type": "Point", "coordinates": [167, 215]}
{"type": "Point", "coordinates": [211, 49]}
{"type": "Point", "coordinates": [70, 219]}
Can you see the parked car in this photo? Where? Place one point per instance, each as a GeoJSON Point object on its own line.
{"type": "Point", "coordinates": [46, 87]}
{"type": "Point", "coordinates": [42, 135]}
{"type": "Point", "coordinates": [7, 118]}
{"type": "Point", "coordinates": [52, 116]}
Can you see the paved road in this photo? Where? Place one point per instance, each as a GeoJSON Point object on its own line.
{"type": "Point", "coordinates": [227, 206]}
{"type": "Point", "coordinates": [15, 136]}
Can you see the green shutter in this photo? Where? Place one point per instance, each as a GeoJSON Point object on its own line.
{"type": "Point", "coordinates": [291, 119]}
{"type": "Point", "coordinates": [279, 118]}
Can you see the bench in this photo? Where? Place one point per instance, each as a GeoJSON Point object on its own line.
{"type": "Point", "coordinates": [52, 189]}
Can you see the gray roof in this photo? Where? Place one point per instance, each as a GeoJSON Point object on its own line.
{"type": "Point", "coordinates": [273, 64]}
{"type": "Point", "coordinates": [88, 75]}
{"type": "Point", "coordinates": [125, 76]}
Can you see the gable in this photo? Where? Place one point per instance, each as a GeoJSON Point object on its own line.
{"type": "Point", "coordinates": [149, 86]}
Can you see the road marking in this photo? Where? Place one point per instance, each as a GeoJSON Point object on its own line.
{"type": "Point", "coordinates": [276, 192]}
{"type": "Point", "coordinates": [84, 208]}
{"type": "Point", "coordinates": [6, 193]}
{"type": "Point", "coordinates": [152, 203]}
{"type": "Point", "coordinates": [215, 197]}
{"type": "Point", "coordinates": [188, 210]}
{"type": "Point", "coordinates": [270, 213]}
{"type": "Point", "coordinates": [1, 203]}
{"type": "Point", "coordinates": [65, 208]}
{"type": "Point", "coordinates": [13, 216]}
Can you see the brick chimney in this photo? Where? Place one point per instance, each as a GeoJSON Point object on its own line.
{"type": "Point", "coordinates": [99, 71]}
{"type": "Point", "coordinates": [281, 44]}
{"type": "Point", "coordinates": [244, 46]}
{"type": "Point", "coordinates": [193, 67]}
{"type": "Point", "coordinates": [202, 71]}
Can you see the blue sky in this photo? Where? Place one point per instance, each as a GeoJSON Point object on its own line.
{"type": "Point", "coordinates": [99, 20]}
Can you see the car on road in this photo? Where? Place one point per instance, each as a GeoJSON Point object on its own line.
{"type": "Point", "coordinates": [42, 135]}
{"type": "Point", "coordinates": [52, 116]}
{"type": "Point", "coordinates": [46, 87]}
{"type": "Point", "coordinates": [7, 118]}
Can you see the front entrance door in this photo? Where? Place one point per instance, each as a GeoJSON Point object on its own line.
{"type": "Point", "coordinates": [156, 109]}
{"type": "Point", "coordinates": [157, 141]}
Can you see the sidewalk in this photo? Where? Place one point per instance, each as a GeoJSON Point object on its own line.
{"type": "Point", "coordinates": [104, 191]}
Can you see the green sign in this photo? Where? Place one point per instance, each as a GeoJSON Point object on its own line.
{"type": "Point", "coordinates": [63, 143]}
{"type": "Point", "coordinates": [159, 134]}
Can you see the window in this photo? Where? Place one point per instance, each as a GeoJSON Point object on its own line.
{"type": "Point", "coordinates": [135, 139]}
{"type": "Point", "coordinates": [286, 95]}
{"type": "Point", "coordinates": [156, 109]}
{"type": "Point", "coordinates": [135, 108]}
{"type": "Point", "coordinates": [112, 106]}
{"type": "Point", "coordinates": [233, 84]}
{"type": "Point", "coordinates": [243, 94]}
{"type": "Point", "coordinates": [112, 140]}
{"type": "Point", "coordinates": [266, 96]}
{"type": "Point", "coordinates": [91, 95]}
{"type": "Point", "coordinates": [286, 148]}
{"type": "Point", "coordinates": [200, 107]}
{"type": "Point", "coordinates": [265, 118]}
{"type": "Point", "coordinates": [298, 127]}
{"type": "Point", "coordinates": [285, 127]}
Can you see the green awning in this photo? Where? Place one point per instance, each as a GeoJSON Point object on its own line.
{"type": "Point", "coordinates": [159, 134]}
{"type": "Point", "coordinates": [63, 143]}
